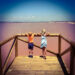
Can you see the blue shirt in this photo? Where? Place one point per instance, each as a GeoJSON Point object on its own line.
{"type": "Point", "coordinates": [43, 41]}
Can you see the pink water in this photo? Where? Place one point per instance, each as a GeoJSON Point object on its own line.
{"type": "Point", "coordinates": [9, 29]}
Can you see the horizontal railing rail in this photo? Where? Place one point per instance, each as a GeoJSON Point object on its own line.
{"type": "Point", "coordinates": [9, 39]}
{"type": "Point", "coordinates": [68, 41]}
{"type": "Point", "coordinates": [38, 35]}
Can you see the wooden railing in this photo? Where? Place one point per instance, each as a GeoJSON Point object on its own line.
{"type": "Point", "coordinates": [59, 54]}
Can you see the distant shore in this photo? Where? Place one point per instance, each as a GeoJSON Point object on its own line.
{"type": "Point", "coordinates": [38, 22]}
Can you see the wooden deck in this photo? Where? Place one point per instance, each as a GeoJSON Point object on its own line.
{"type": "Point", "coordinates": [24, 65]}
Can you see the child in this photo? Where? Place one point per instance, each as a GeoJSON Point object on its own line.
{"type": "Point", "coordinates": [43, 43]}
{"type": "Point", "coordinates": [30, 43]}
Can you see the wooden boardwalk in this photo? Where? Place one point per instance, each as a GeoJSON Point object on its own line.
{"type": "Point", "coordinates": [24, 65]}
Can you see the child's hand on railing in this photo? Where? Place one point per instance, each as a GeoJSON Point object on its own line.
{"type": "Point", "coordinates": [47, 34]}
{"type": "Point", "coordinates": [26, 34]}
{"type": "Point", "coordinates": [38, 34]}
{"type": "Point", "coordinates": [35, 34]}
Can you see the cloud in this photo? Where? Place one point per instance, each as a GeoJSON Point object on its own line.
{"type": "Point", "coordinates": [20, 18]}
{"type": "Point", "coordinates": [26, 17]}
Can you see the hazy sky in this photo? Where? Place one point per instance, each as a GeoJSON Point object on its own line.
{"type": "Point", "coordinates": [37, 10]}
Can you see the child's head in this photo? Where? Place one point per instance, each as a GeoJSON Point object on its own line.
{"type": "Point", "coordinates": [30, 33]}
{"type": "Point", "coordinates": [43, 31]}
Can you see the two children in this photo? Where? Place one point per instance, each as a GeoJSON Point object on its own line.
{"type": "Point", "coordinates": [43, 43]}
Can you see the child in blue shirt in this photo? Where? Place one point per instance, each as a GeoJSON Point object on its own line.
{"type": "Point", "coordinates": [43, 43]}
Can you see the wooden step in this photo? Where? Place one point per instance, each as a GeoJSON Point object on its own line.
{"type": "Point", "coordinates": [24, 65]}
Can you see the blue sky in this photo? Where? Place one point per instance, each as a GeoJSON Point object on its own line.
{"type": "Point", "coordinates": [37, 10]}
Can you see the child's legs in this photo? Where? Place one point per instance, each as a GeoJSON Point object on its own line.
{"type": "Point", "coordinates": [44, 51]}
{"type": "Point", "coordinates": [30, 46]}
{"type": "Point", "coordinates": [30, 52]}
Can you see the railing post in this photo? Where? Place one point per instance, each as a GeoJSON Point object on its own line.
{"type": "Point", "coordinates": [72, 60]}
{"type": "Point", "coordinates": [59, 44]}
{"type": "Point", "coordinates": [1, 71]}
{"type": "Point", "coordinates": [16, 46]}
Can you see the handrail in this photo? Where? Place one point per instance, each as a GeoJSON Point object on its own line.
{"type": "Point", "coordinates": [1, 71]}
{"type": "Point", "coordinates": [65, 39]}
{"type": "Point", "coordinates": [9, 54]}
{"type": "Point", "coordinates": [65, 51]}
{"type": "Point", "coordinates": [72, 59]}
{"type": "Point", "coordinates": [6, 41]}
{"type": "Point", "coordinates": [25, 35]}
{"type": "Point", "coordinates": [9, 39]}
{"type": "Point", "coordinates": [36, 35]}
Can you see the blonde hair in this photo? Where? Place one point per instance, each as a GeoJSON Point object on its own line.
{"type": "Point", "coordinates": [43, 31]}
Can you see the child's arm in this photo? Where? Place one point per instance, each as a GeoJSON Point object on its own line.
{"type": "Point", "coordinates": [47, 34]}
{"type": "Point", "coordinates": [26, 34]}
{"type": "Point", "coordinates": [36, 34]}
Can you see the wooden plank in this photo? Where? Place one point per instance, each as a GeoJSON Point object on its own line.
{"type": "Point", "coordinates": [72, 60]}
{"type": "Point", "coordinates": [38, 35]}
{"type": "Point", "coordinates": [2, 43]}
{"type": "Point", "coordinates": [65, 51]}
{"type": "Point", "coordinates": [59, 44]}
{"type": "Point", "coordinates": [51, 52]}
{"type": "Point", "coordinates": [35, 66]}
{"type": "Point", "coordinates": [1, 71]}
{"type": "Point", "coordinates": [65, 39]}
{"type": "Point", "coordinates": [16, 47]}
{"type": "Point", "coordinates": [64, 68]}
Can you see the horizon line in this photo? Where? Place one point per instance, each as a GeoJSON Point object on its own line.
{"type": "Point", "coordinates": [32, 21]}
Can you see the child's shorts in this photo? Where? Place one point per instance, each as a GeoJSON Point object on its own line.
{"type": "Point", "coordinates": [30, 46]}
